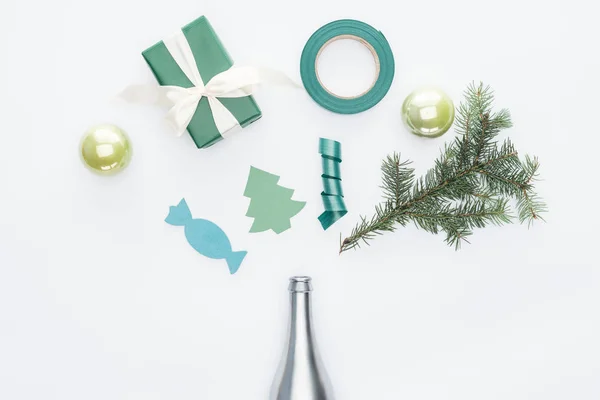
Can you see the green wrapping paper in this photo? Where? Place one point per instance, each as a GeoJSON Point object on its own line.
{"type": "Point", "coordinates": [211, 59]}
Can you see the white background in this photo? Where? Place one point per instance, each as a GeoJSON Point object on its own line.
{"type": "Point", "coordinates": [100, 299]}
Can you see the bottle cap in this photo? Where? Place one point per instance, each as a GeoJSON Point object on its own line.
{"type": "Point", "coordinates": [300, 284]}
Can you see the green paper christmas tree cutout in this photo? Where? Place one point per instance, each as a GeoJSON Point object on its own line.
{"type": "Point", "coordinates": [271, 205]}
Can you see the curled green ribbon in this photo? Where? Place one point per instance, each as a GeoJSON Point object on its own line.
{"type": "Point", "coordinates": [332, 194]}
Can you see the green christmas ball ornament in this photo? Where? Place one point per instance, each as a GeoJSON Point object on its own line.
{"type": "Point", "coordinates": [105, 149]}
{"type": "Point", "coordinates": [428, 112]}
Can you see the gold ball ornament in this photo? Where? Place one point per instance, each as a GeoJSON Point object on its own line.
{"type": "Point", "coordinates": [428, 112]}
{"type": "Point", "coordinates": [105, 149]}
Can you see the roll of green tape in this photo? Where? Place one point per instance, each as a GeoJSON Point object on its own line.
{"type": "Point", "coordinates": [373, 40]}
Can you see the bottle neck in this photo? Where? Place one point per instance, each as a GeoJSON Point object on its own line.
{"type": "Point", "coordinates": [301, 331]}
{"type": "Point", "coordinates": [301, 312]}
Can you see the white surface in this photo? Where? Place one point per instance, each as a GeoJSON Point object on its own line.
{"type": "Point", "coordinates": [347, 68]}
{"type": "Point", "coordinates": [100, 299]}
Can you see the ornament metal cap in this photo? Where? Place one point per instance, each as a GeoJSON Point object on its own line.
{"type": "Point", "coordinates": [300, 284]}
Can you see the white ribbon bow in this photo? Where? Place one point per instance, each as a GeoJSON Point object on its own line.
{"type": "Point", "coordinates": [183, 102]}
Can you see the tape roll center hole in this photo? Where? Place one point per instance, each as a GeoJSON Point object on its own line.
{"type": "Point", "coordinates": [347, 67]}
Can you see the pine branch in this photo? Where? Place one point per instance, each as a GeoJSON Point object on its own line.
{"type": "Point", "coordinates": [469, 186]}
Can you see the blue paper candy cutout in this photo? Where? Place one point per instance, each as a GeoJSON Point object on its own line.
{"type": "Point", "coordinates": [205, 236]}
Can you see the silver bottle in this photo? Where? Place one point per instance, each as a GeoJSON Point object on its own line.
{"type": "Point", "coordinates": [301, 375]}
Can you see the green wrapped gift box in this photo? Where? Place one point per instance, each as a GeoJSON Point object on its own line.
{"type": "Point", "coordinates": [211, 59]}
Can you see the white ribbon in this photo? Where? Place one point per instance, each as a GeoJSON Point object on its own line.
{"type": "Point", "coordinates": [183, 102]}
